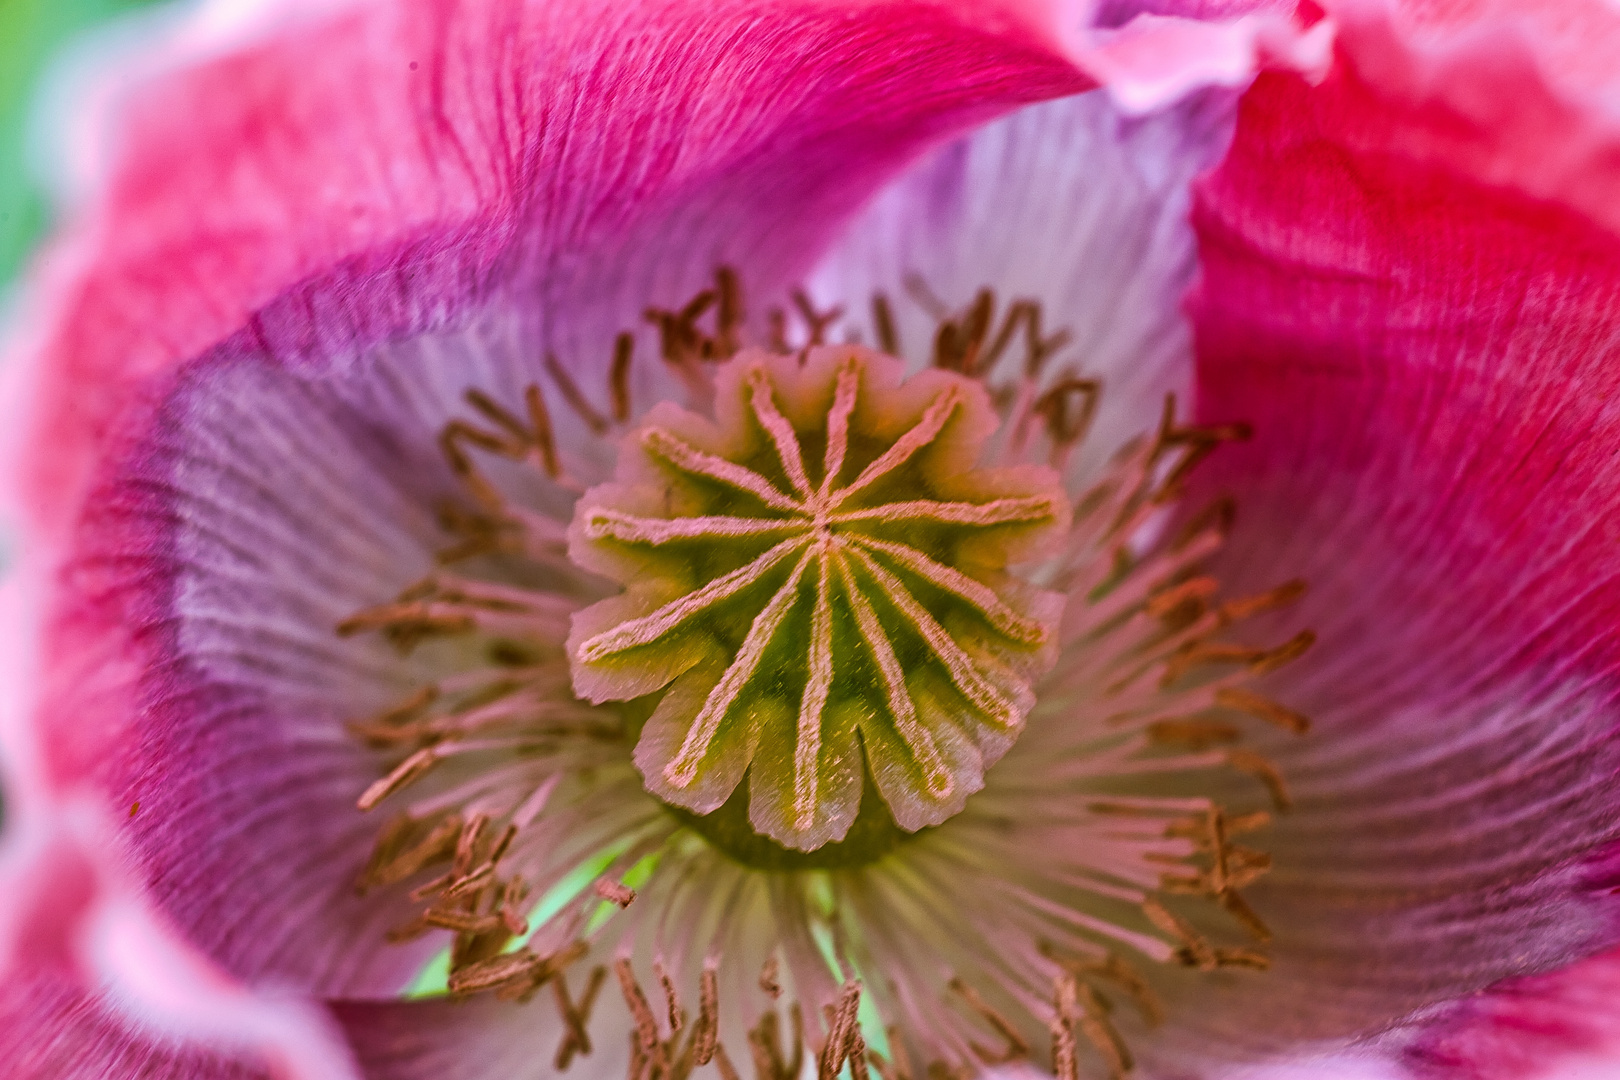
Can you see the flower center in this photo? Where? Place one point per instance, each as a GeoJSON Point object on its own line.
{"type": "Point", "coordinates": [818, 577]}
{"type": "Point", "coordinates": [729, 719]}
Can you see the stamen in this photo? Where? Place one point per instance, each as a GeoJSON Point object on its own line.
{"type": "Point", "coordinates": [722, 1062]}
{"type": "Point", "coordinates": [624, 347]}
{"type": "Point", "coordinates": [640, 1012]}
{"type": "Point", "coordinates": [576, 400]}
{"type": "Point", "coordinates": [768, 978]}
{"type": "Point", "coordinates": [576, 1018]}
{"type": "Point", "coordinates": [706, 1041]}
{"type": "Point", "coordinates": [1015, 1047]}
{"type": "Point", "coordinates": [672, 1002]}
{"type": "Point", "coordinates": [841, 1032]}
{"type": "Point", "coordinates": [816, 322]}
{"type": "Point", "coordinates": [1065, 1053]}
{"type": "Point", "coordinates": [888, 339]}
{"type": "Point", "coordinates": [614, 892]}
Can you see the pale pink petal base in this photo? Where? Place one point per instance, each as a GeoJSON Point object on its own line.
{"type": "Point", "coordinates": [1068, 203]}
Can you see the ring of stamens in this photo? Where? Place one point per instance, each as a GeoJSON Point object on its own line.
{"type": "Point", "coordinates": [496, 853]}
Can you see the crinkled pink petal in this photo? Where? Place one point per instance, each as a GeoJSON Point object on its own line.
{"type": "Point", "coordinates": [1151, 54]}
{"type": "Point", "coordinates": [234, 178]}
{"type": "Point", "coordinates": [1536, 1028]}
{"type": "Point", "coordinates": [1416, 303]}
{"type": "Point", "coordinates": [96, 983]}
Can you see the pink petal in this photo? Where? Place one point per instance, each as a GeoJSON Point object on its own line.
{"type": "Point", "coordinates": [439, 128]}
{"type": "Point", "coordinates": [1426, 347]}
{"type": "Point", "coordinates": [479, 1040]}
{"type": "Point", "coordinates": [1528, 1029]}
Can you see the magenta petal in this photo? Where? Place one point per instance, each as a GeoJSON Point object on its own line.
{"type": "Point", "coordinates": [95, 983]}
{"type": "Point", "coordinates": [508, 134]}
{"type": "Point", "coordinates": [1429, 361]}
{"type": "Point", "coordinates": [1528, 1029]}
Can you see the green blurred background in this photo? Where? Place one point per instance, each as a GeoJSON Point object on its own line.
{"type": "Point", "coordinates": [32, 34]}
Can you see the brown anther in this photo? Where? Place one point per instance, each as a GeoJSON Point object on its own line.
{"type": "Point", "coordinates": [858, 1058]}
{"type": "Point", "coordinates": [624, 347]}
{"type": "Point", "coordinates": [1010, 322]}
{"type": "Point", "coordinates": [576, 1017]}
{"type": "Point", "coordinates": [1218, 517]}
{"type": "Point", "coordinates": [1215, 823]}
{"type": "Point", "coordinates": [518, 437]}
{"type": "Point", "coordinates": [469, 844]}
{"type": "Point", "coordinates": [512, 967]}
{"type": "Point", "coordinates": [1248, 606]}
{"type": "Point", "coordinates": [816, 322]}
{"type": "Point", "coordinates": [917, 286]}
{"type": "Point", "coordinates": [469, 884]}
{"type": "Point", "coordinates": [1039, 347]}
{"type": "Point", "coordinates": [1198, 590]}
{"type": "Point", "coordinates": [576, 400]}
{"type": "Point", "coordinates": [768, 978]}
{"type": "Point", "coordinates": [1247, 701]}
{"type": "Point", "coordinates": [545, 442]}
{"type": "Point", "coordinates": [840, 1031]}
{"type": "Point", "coordinates": [406, 772]}
{"type": "Point", "coordinates": [1252, 763]}
{"type": "Point", "coordinates": [1015, 1047]}
{"type": "Point", "coordinates": [462, 922]}
{"type": "Point", "coordinates": [1195, 951]}
{"type": "Point", "coordinates": [1286, 653]}
{"type": "Point", "coordinates": [1118, 973]}
{"type": "Point", "coordinates": [776, 320]}
{"type": "Point", "coordinates": [765, 1044]}
{"type": "Point", "coordinates": [523, 988]}
{"type": "Point", "coordinates": [730, 315]}
{"type": "Point", "coordinates": [888, 338]}
{"type": "Point", "coordinates": [1100, 1032]}
{"type": "Point", "coordinates": [406, 711]}
{"type": "Point", "coordinates": [640, 1011]}
{"type": "Point", "coordinates": [1197, 734]}
{"type": "Point", "coordinates": [672, 1001]}
{"type": "Point", "coordinates": [1240, 910]}
{"type": "Point", "coordinates": [722, 1062]}
{"type": "Point", "coordinates": [614, 892]}
{"type": "Point", "coordinates": [1242, 823]}
{"type": "Point", "coordinates": [1197, 442]}
{"type": "Point", "coordinates": [1242, 958]}
{"type": "Point", "coordinates": [1065, 1053]}
{"type": "Point", "coordinates": [459, 431]}
{"type": "Point", "coordinates": [396, 857]}
{"type": "Point", "coordinates": [706, 1039]}
{"type": "Point", "coordinates": [1053, 407]}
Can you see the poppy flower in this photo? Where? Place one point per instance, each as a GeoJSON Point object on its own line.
{"type": "Point", "coordinates": [894, 537]}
